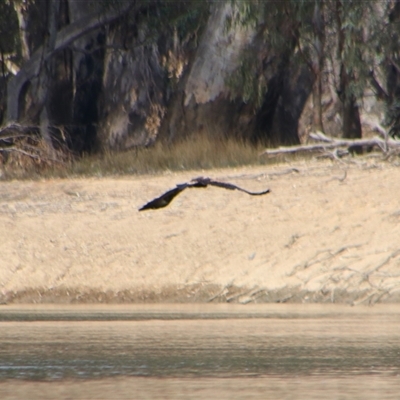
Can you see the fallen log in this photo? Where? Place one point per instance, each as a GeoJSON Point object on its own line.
{"type": "Point", "coordinates": [385, 145]}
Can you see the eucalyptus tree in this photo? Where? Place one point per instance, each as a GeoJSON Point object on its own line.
{"type": "Point", "coordinates": [390, 89]}
{"type": "Point", "coordinates": [70, 62]}
{"type": "Point", "coordinates": [287, 67]}
{"type": "Point", "coordinates": [357, 29]}
{"type": "Point", "coordinates": [352, 35]}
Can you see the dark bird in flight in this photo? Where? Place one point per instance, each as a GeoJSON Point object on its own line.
{"type": "Point", "coordinates": [199, 182]}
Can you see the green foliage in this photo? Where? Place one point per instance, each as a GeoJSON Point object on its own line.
{"type": "Point", "coordinates": [185, 16]}
{"type": "Point", "coordinates": [247, 82]}
{"type": "Point", "coordinates": [245, 13]}
{"type": "Point", "coordinates": [363, 37]}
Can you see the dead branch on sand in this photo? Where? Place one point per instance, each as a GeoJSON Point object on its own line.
{"type": "Point", "coordinates": [321, 256]}
{"type": "Point", "coordinates": [386, 146]}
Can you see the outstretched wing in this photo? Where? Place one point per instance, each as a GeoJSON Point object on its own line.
{"type": "Point", "coordinates": [200, 182]}
{"type": "Point", "coordinates": [164, 199]}
{"type": "Point", "coordinates": [231, 186]}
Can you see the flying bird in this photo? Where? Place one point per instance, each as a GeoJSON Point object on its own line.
{"type": "Point", "coordinates": [200, 182]}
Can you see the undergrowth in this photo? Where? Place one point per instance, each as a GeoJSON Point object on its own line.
{"type": "Point", "coordinates": [200, 152]}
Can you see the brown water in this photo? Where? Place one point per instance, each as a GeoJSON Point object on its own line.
{"type": "Point", "coordinates": [200, 352]}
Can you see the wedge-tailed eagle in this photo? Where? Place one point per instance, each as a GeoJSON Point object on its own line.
{"type": "Point", "coordinates": [200, 182]}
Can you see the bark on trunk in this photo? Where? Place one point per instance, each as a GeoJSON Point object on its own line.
{"type": "Point", "coordinates": [47, 72]}
{"type": "Point", "coordinates": [351, 119]}
{"type": "Point", "coordinates": [351, 115]}
{"type": "Point", "coordinates": [21, 8]}
{"type": "Point", "coordinates": [87, 67]}
{"type": "Point", "coordinates": [317, 104]}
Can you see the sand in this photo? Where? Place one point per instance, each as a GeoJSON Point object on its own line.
{"type": "Point", "coordinates": [327, 232]}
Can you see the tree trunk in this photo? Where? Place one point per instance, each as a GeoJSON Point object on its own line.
{"type": "Point", "coordinates": [319, 39]}
{"type": "Point", "coordinates": [317, 65]}
{"type": "Point", "coordinates": [295, 88]}
{"type": "Point", "coordinates": [47, 71]}
{"type": "Point", "coordinates": [351, 119]}
{"type": "Point", "coordinates": [351, 116]}
{"type": "Point", "coordinates": [202, 104]}
{"type": "Point", "coordinates": [317, 104]}
{"type": "Point", "coordinates": [86, 80]}
{"type": "Point", "coordinates": [350, 111]}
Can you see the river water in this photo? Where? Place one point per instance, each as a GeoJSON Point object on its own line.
{"type": "Point", "coordinates": [200, 352]}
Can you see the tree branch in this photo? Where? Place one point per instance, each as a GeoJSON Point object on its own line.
{"type": "Point", "coordinates": [329, 143]}
{"type": "Point", "coordinates": [379, 91]}
{"type": "Point", "coordinates": [31, 155]}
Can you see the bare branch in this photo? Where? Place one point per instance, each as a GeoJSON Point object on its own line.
{"type": "Point", "coordinates": [31, 155]}
{"type": "Point", "coordinates": [329, 143]}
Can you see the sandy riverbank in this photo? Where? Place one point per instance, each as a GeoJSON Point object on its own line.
{"type": "Point", "coordinates": [326, 233]}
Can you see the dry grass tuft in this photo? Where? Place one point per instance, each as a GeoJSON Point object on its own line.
{"type": "Point", "coordinates": [201, 152]}
{"type": "Point", "coordinates": [198, 152]}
